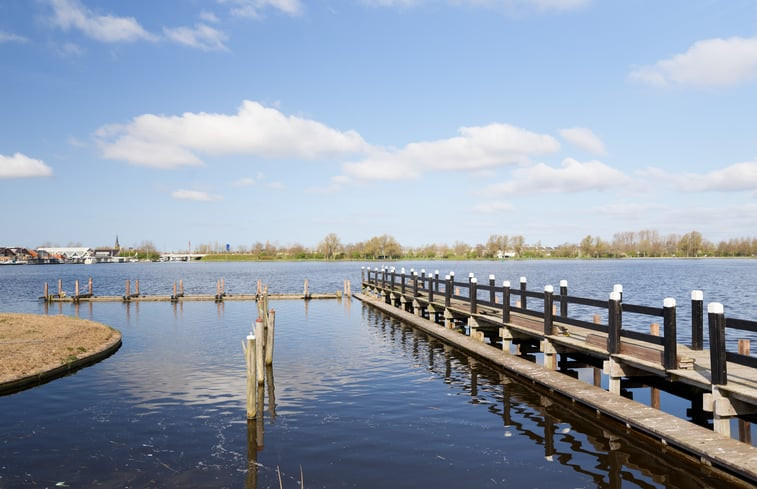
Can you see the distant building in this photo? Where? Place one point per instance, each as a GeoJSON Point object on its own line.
{"type": "Point", "coordinates": [103, 252]}
{"type": "Point", "coordinates": [69, 254]}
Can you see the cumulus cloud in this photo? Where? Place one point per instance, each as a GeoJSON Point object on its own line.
{"type": "Point", "coordinates": [254, 8]}
{"type": "Point", "coordinates": [21, 166]}
{"type": "Point", "coordinates": [69, 14]}
{"type": "Point", "coordinates": [708, 63]}
{"type": "Point", "coordinates": [476, 148]}
{"type": "Point", "coordinates": [733, 178]}
{"type": "Point", "coordinates": [10, 37]}
{"type": "Point", "coordinates": [196, 195]}
{"type": "Point", "coordinates": [202, 37]}
{"type": "Point", "coordinates": [583, 138]}
{"type": "Point", "coordinates": [573, 176]}
{"type": "Point", "coordinates": [174, 141]}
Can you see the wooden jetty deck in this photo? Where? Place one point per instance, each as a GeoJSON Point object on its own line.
{"type": "Point", "coordinates": [717, 381]}
{"type": "Point", "coordinates": [178, 294]}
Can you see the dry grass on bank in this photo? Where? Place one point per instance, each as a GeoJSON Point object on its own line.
{"type": "Point", "coordinates": [32, 344]}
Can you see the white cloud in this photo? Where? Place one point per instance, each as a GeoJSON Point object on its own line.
{"type": "Point", "coordinates": [583, 138]}
{"type": "Point", "coordinates": [107, 28]}
{"type": "Point", "coordinates": [254, 8]}
{"type": "Point", "coordinates": [10, 37]}
{"type": "Point", "coordinates": [174, 141]}
{"type": "Point", "coordinates": [196, 195]}
{"type": "Point", "coordinates": [733, 178]}
{"type": "Point", "coordinates": [21, 166]}
{"type": "Point", "coordinates": [708, 63]}
{"type": "Point", "coordinates": [202, 37]}
{"type": "Point", "coordinates": [244, 182]}
{"type": "Point", "coordinates": [208, 16]}
{"type": "Point", "coordinates": [493, 207]}
{"type": "Point", "coordinates": [475, 149]}
{"type": "Point", "coordinates": [574, 176]}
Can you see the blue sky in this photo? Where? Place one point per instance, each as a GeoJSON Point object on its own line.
{"type": "Point", "coordinates": [239, 121]}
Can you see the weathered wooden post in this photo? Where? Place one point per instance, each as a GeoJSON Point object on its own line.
{"type": "Point", "coordinates": [259, 287]}
{"type": "Point", "coordinates": [181, 287]}
{"type": "Point", "coordinates": [46, 292]}
{"type": "Point", "coordinates": [447, 290]}
{"type": "Point", "coordinates": [670, 353]}
{"type": "Point", "coordinates": [452, 288]}
{"type": "Point", "coordinates": [173, 295]}
{"type": "Point", "coordinates": [654, 392]}
{"type": "Point", "coordinates": [564, 298]}
{"type": "Point", "coordinates": [436, 280]}
{"type": "Point", "coordinates": [697, 320]}
{"type": "Point", "coordinates": [431, 286]}
{"type": "Point", "coordinates": [745, 432]}
{"type": "Point", "coordinates": [523, 292]}
{"type": "Point", "coordinates": [716, 319]}
{"type": "Point", "coordinates": [136, 285]}
{"type": "Point", "coordinates": [548, 312]}
{"type": "Point", "coordinates": [89, 286]}
{"type": "Point", "coordinates": [249, 355]}
{"type": "Point", "coordinates": [721, 406]}
{"type": "Point", "coordinates": [306, 291]}
{"type": "Point", "coordinates": [415, 282]}
{"type": "Point", "coordinates": [473, 292]}
{"type": "Point", "coordinates": [127, 296]}
{"type": "Point", "coordinates": [506, 301]}
{"type": "Point", "coordinates": [269, 337]}
{"type": "Point", "coordinates": [492, 297]}
{"type": "Point", "coordinates": [383, 277]}
{"type": "Point", "coordinates": [362, 274]}
{"type": "Point", "coordinates": [259, 351]}
{"type": "Point", "coordinates": [76, 289]}
{"type": "Point", "coordinates": [223, 286]}
{"type": "Point", "coordinates": [402, 280]}
{"type": "Point", "coordinates": [615, 323]}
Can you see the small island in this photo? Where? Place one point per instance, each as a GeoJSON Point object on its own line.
{"type": "Point", "coordinates": [36, 348]}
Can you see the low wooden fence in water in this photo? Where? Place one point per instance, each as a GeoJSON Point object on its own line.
{"type": "Point", "coordinates": [524, 321]}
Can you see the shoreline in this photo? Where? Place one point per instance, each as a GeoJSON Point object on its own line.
{"type": "Point", "coordinates": [35, 349]}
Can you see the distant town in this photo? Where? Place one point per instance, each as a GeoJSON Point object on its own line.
{"type": "Point", "coordinates": [639, 244]}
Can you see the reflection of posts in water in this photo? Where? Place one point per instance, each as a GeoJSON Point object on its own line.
{"type": "Point", "coordinates": [506, 381]}
{"type": "Point", "coordinates": [260, 402]}
{"type": "Point", "coordinates": [251, 481]}
{"type": "Point", "coordinates": [447, 363]}
{"type": "Point", "coordinates": [271, 392]}
{"type": "Point", "coordinates": [549, 429]}
{"type": "Point", "coordinates": [473, 378]}
{"type": "Point", "coordinates": [220, 305]}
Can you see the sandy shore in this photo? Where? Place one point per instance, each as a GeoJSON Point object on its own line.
{"type": "Point", "coordinates": [32, 346]}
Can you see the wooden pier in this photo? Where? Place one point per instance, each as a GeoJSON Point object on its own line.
{"type": "Point", "coordinates": [499, 325]}
{"type": "Point", "coordinates": [178, 295]}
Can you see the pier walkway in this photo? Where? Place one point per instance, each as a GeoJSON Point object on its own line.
{"type": "Point", "coordinates": [499, 324]}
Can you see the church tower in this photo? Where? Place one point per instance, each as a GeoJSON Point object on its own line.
{"type": "Point", "coordinates": [117, 246]}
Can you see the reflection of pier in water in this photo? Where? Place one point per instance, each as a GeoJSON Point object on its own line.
{"type": "Point", "coordinates": [613, 455]}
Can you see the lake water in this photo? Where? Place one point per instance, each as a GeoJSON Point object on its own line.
{"type": "Point", "coordinates": [359, 400]}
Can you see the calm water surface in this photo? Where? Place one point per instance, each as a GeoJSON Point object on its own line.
{"type": "Point", "coordinates": [356, 399]}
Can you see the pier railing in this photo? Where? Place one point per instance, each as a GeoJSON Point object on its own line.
{"type": "Point", "coordinates": [552, 308]}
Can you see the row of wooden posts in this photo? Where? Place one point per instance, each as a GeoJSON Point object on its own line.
{"type": "Point", "coordinates": [258, 351]}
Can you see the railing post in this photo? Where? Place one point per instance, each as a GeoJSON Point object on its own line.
{"type": "Point", "coordinates": [402, 280]}
{"type": "Point", "coordinates": [492, 297]}
{"type": "Point", "coordinates": [615, 323]}
{"type": "Point", "coordinates": [548, 301]}
{"type": "Point", "coordinates": [432, 284]}
{"type": "Point", "coordinates": [564, 298]}
{"type": "Point", "coordinates": [716, 320]}
{"type": "Point", "coordinates": [697, 320]}
{"type": "Point", "coordinates": [447, 291]}
{"type": "Point", "coordinates": [392, 277]}
{"type": "Point", "coordinates": [436, 280]}
{"type": "Point", "coordinates": [523, 292]}
{"type": "Point", "coordinates": [670, 355]}
{"type": "Point", "coordinates": [473, 292]}
{"type": "Point", "coordinates": [506, 301]}
{"type": "Point", "coordinates": [415, 283]}
{"type": "Point", "coordinates": [452, 277]}
{"type": "Point", "coordinates": [362, 274]}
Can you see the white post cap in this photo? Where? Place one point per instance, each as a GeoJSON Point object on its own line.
{"type": "Point", "coordinates": [563, 283]}
{"type": "Point", "coordinates": [491, 276]}
{"type": "Point", "coordinates": [436, 272]}
{"type": "Point", "coordinates": [452, 273]}
{"type": "Point", "coordinates": [614, 295]}
{"type": "Point", "coordinates": [402, 270]}
{"type": "Point", "coordinates": [549, 289]}
{"type": "Point", "coordinates": [474, 280]}
{"type": "Point", "coordinates": [446, 277]}
{"type": "Point", "coordinates": [669, 302]}
{"type": "Point", "coordinates": [715, 308]}
{"type": "Point", "coordinates": [423, 271]}
{"type": "Point", "coordinates": [250, 336]}
{"type": "Point", "coordinates": [617, 288]}
{"type": "Point", "coordinates": [506, 283]}
{"type": "Point", "coordinates": [697, 295]}
{"type": "Point", "coordinates": [471, 275]}
{"type": "Point", "coordinates": [523, 280]}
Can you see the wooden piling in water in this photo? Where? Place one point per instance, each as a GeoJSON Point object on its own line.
{"type": "Point", "coordinates": [259, 350]}
{"type": "Point", "coordinates": [269, 337]}
{"type": "Point", "coordinates": [250, 351]}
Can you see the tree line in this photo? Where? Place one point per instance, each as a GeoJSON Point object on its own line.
{"type": "Point", "coordinates": [645, 243]}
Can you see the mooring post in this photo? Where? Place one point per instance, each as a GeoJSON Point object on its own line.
{"type": "Point", "coordinates": [223, 286]}
{"type": "Point", "coordinates": [306, 291]}
{"type": "Point", "coordinates": [136, 285]}
{"type": "Point", "coordinates": [492, 296]}
{"type": "Point", "coordinates": [670, 355]}
{"type": "Point", "coordinates": [431, 286]}
{"type": "Point", "coordinates": [76, 289]}
{"type": "Point", "coordinates": [89, 286]}
{"type": "Point", "coordinates": [548, 311]}
{"type": "Point", "coordinates": [269, 337]}
{"type": "Point", "coordinates": [745, 432]}
{"type": "Point", "coordinates": [60, 288]}
{"type": "Point", "coordinates": [564, 298]}
{"type": "Point", "coordinates": [436, 280]}
{"type": "Point", "coordinates": [415, 282]}
{"type": "Point", "coordinates": [46, 292]}
{"type": "Point", "coordinates": [452, 288]}
{"type": "Point", "coordinates": [615, 323]}
{"type": "Point", "coordinates": [523, 292]}
{"type": "Point", "coordinates": [506, 301]}
{"type": "Point", "coordinates": [259, 286]}
{"type": "Point", "coordinates": [473, 290]}
{"type": "Point", "coordinates": [249, 353]}
{"type": "Point", "coordinates": [259, 350]}
{"type": "Point", "coordinates": [181, 287]}
{"type": "Point", "coordinates": [697, 320]}
{"type": "Point", "coordinates": [447, 291]}
{"type": "Point", "coordinates": [716, 320]}
{"type": "Point", "coordinates": [127, 296]}
{"type": "Point", "coordinates": [383, 276]}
